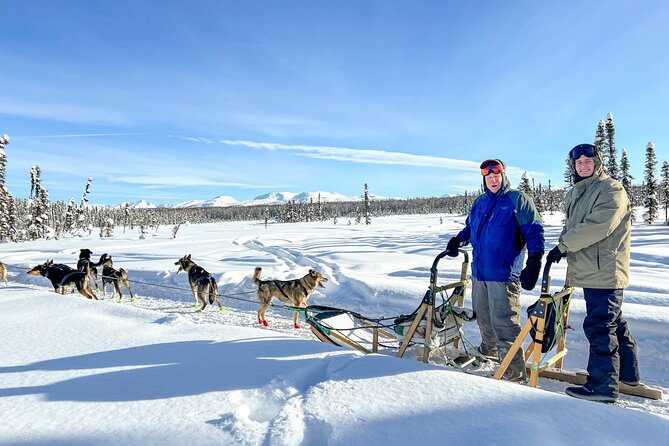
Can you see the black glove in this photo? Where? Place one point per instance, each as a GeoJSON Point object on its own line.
{"type": "Point", "coordinates": [453, 244]}
{"type": "Point", "coordinates": [530, 274]}
{"type": "Point", "coordinates": [555, 255]}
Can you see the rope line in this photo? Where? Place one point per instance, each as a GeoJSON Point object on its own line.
{"type": "Point", "coordinates": [229, 296]}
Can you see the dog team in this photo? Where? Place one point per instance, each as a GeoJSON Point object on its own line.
{"type": "Point", "coordinates": [63, 276]}
{"type": "Point", "coordinates": [203, 285]}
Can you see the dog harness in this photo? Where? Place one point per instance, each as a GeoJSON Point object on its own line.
{"type": "Point", "coordinates": [278, 285]}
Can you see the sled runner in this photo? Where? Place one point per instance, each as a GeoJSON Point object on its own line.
{"type": "Point", "coordinates": [438, 326]}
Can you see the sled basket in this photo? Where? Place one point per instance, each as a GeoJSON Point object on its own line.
{"type": "Point", "coordinates": [342, 327]}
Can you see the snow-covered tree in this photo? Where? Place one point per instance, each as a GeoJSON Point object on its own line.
{"type": "Point", "coordinates": [39, 205]}
{"type": "Point", "coordinates": [664, 190]}
{"type": "Point", "coordinates": [175, 230]}
{"type": "Point", "coordinates": [525, 185]}
{"type": "Point", "coordinates": [70, 215]}
{"type": "Point", "coordinates": [568, 176]}
{"type": "Point", "coordinates": [650, 188]}
{"type": "Point", "coordinates": [600, 138]}
{"type": "Point", "coordinates": [625, 177]}
{"type": "Point", "coordinates": [107, 228]}
{"type": "Point", "coordinates": [612, 163]}
{"type": "Point", "coordinates": [367, 207]}
{"type": "Point", "coordinates": [6, 198]}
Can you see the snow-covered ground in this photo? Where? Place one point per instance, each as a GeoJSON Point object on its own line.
{"type": "Point", "coordinates": [154, 371]}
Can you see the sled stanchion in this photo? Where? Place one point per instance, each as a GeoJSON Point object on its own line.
{"type": "Point", "coordinates": [426, 309]}
{"type": "Point", "coordinates": [412, 329]}
{"type": "Point", "coordinates": [537, 321]}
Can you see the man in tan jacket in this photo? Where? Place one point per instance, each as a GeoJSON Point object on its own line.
{"type": "Point", "coordinates": [596, 241]}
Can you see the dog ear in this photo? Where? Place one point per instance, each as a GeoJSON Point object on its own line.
{"type": "Point", "coordinates": [188, 257]}
{"type": "Point", "coordinates": [312, 272]}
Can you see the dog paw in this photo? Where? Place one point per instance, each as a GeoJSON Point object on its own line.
{"type": "Point", "coordinates": [296, 326]}
{"type": "Point", "coordinates": [265, 323]}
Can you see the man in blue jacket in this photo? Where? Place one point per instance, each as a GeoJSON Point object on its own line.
{"type": "Point", "coordinates": [501, 223]}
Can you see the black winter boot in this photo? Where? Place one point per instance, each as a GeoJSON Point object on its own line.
{"type": "Point", "coordinates": [582, 393]}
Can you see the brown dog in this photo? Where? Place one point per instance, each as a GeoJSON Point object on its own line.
{"type": "Point", "coordinates": [201, 282]}
{"type": "Point", "coordinates": [3, 272]}
{"type": "Point", "coordinates": [295, 292]}
{"type": "Point", "coordinates": [115, 277]}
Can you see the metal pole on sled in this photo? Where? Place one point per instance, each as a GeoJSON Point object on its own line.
{"type": "Point", "coordinates": [426, 309]}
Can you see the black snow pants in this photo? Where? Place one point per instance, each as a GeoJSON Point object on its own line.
{"type": "Point", "coordinates": [613, 350]}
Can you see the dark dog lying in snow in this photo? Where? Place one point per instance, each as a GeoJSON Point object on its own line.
{"type": "Point", "coordinates": [61, 276]}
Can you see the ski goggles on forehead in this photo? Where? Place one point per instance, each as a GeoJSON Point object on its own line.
{"type": "Point", "coordinates": [582, 149]}
{"type": "Point", "coordinates": [491, 166]}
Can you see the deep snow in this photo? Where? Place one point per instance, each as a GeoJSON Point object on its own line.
{"type": "Point", "coordinates": [74, 371]}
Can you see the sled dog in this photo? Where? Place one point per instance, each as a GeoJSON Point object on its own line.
{"type": "Point", "coordinates": [85, 263]}
{"type": "Point", "coordinates": [114, 277]}
{"type": "Point", "coordinates": [202, 284]}
{"type": "Point", "coordinates": [61, 276]}
{"type": "Point", "coordinates": [295, 292]}
{"type": "Point", "coordinates": [3, 272]}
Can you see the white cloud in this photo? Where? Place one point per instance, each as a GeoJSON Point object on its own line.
{"type": "Point", "coordinates": [362, 155]}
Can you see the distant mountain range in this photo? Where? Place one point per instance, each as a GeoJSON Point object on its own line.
{"type": "Point", "coordinates": [271, 198]}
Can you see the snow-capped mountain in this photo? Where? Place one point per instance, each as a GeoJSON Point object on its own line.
{"type": "Point", "coordinates": [141, 204]}
{"type": "Point", "coordinates": [220, 201]}
{"type": "Point", "coordinates": [284, 197]}
{"type": "Point", "coordinates": [271, 198]}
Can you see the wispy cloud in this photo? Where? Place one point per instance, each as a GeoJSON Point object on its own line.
{"type": "Point", "coordinates": [192, 139]}
{"type": "Point", "coordinates": [361, 155]}
{"type": "Point", "coordinates": [81, 135]}
{"type": "Point", "coordinates": [186, 181]}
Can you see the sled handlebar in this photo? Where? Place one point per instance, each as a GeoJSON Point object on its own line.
{"type": "Point", "coordinates": [441, 255]}
{"type": "Point", "coordinates": [546, 279]}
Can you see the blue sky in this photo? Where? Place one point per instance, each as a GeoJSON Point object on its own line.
{"type": "Point", "coordinates": [171, 101]}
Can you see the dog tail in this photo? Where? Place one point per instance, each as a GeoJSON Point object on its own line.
{"type": "Point", "coordinates": [256, 275]}
{"type": "Point", "coordinates": [103, 257]}
{"type": "Point", "coordinates": [213, 291]}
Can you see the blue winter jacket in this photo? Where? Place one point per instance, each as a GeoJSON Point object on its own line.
{"type": "Point", "coordinates": [498, 227]}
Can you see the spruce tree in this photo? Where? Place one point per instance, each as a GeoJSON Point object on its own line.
{"type": "Point", "coordinates": [650, 187]}
{"type": "Point", "coordinates": [40, 205]}
{"type": "Point", "coordinates": [5, 196]}
{"type": "Point", "coordinates": [70, 215]}
{"type": "Point", "coordinates": [665, 190]}
{"type": "Point", "coordinates": [368, 217]}
{"type": "Point", "coordinates": [600, 137]}
{"type": "Point", "coordinates": [525, 184]}
{"type": "Point", "coordinates": [625, 177]}
{"type": "Point", "coordinates": [612, 164]}
{"type": "Point", "coordinates": [568, 175]}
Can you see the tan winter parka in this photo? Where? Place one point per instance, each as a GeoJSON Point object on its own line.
{"type": "Point", "coordinates": [596, 235]}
